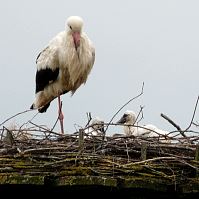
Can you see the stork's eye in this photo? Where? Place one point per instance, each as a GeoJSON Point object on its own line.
{"type": "Point", "coordinates": [70, 27]}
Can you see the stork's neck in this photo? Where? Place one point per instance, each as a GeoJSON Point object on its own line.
{"type": "Point", "coordinates": [130, 122]}
{"type": "Point", "coordinates": [130, 130]}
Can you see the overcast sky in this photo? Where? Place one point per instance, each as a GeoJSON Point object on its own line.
{"type": "Point", "coordinates": [150, 41]}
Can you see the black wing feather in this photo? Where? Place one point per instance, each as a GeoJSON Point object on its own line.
{"type": "Point", "coordinates": [44, 77]}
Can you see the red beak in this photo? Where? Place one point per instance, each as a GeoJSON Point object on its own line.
{"type": "Point", "coordinates": [76, 39]}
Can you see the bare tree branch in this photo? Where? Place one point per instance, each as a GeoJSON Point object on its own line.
{"type": "Point", "coordinates": [50, 131]}
{"type": "Point", "coordinates": [89, 117]}
{"type": "Point", "coordinates": [172, 122]}
{"type": "Point", "coordinates": [196, 124]}
{"type": "Point", "coordinates": [177, 126]}
{"type": "Point", "coordinates": [140, 113]}
{"type": "Point", "coordinates": [15, 116]}
{"type": "Point", "coordinates": [142, 91]}
{"type": "Point", "coordinates": [56, 120]}
{"type": "Point", "coordinates": [194, 112]}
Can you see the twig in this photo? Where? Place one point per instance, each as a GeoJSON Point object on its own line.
{"type": "Point", "coordinates": [171, 121]}
{"type": "Point", "coordinates": [45, 129]}
{"type": "Point", "coordinates": [196, 124]}
{"type": "Point", "coordinates": [158, 172]}
{"type": "Point", "coordinates": [127, 151]}
{"type": "Point", "coordinates": [56, 120]}
{"type": "Point", "coordinates": [148, 160]}
{"type": "Point", "coordinates": [142, 91]}
{"type": "Point", "coordinates": [89, 118]}
{"type": "Point", "coordinates": [142, 115]}
{"type": "Point", "coordinates": [174, 124]}
{"type": "Point", "coordinates": [184, 162]}
{"type": "Point", "coordinates": [43, 149]}
{"type": "Point", "coordinates": [194, 112]}
{"type": "Point", "coordinates": [15, 116]}
{"type": "Point", "coordinates": [28, 121]}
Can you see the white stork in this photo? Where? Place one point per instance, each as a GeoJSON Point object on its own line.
{"type": "Point", "coordinates": [148, 130]}
{"type": "Point", "coordinates": [96, 128]}
{"type": "Point", "coordinates": [129, 119]}
{"type": "Point", "coordinates": [63, 66]}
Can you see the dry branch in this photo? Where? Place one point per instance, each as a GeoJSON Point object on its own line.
{"type": "Point", "coordinates": [142, 91]}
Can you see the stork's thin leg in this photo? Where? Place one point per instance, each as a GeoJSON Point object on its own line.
{"type": "Point", "coordinates": [60, 115]}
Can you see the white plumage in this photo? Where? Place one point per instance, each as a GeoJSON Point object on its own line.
{"type": "Point", "coordinates": [129, 119]}
{"type": "Point", "coordinates": [96, 128]}
{"type": "Point", "coordinates": [149, 130]}
{"type": "Point", "coordinates": [64, 64]}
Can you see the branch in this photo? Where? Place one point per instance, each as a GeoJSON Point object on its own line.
{"type": "Point", "coordinates": [89, 117]}
{"type": "Point", "coordinates": [50, 131]}
{"type": "Point", "coordinates": [172, 122]}
{"type": "Point", "coordinates": [148, 160]}
{"type": "Point", "coordinates": [142, 91]}
{"type": "Point", "coordinates": [56, 120]}
{"type": "Point", "coordinates": [15, 116]}
{"type": "Point", "coordinates": [140, 113]}
{"type": "Point", "coordinates": [196, 124]}
{"type": "Point", "coordinates": [194, 112]}
{"type": "Point", "coordinates": [178, 127]}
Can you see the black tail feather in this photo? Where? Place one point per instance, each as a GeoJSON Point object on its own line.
{"type": "Point", "coordinates": [44, 108]}
{"type": "Point", "coordinates": [31, 107]}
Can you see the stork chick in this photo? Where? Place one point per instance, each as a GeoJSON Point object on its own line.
{"type": "Point", "coordinates": [129, 119]}
{"type": "Point", "coordinates": [96, 128]}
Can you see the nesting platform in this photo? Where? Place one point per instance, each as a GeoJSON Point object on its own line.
{"type": "Point", "coordinates": [114, 163]}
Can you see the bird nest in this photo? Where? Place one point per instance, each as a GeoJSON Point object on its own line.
{"type": "Point", "coordinates": [38, 156]}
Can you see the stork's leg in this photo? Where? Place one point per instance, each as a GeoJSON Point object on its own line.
{"type": "Point", "coordinates": [60, 115]}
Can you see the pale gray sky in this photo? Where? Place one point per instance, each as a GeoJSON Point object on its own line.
{"type": "Point", "coordinates": [155, 42]}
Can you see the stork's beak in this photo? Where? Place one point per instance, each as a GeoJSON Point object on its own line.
{"type": "Point", "coordinates": [122, 120]}
{"type": "Point", "coordinates": [76, 39]}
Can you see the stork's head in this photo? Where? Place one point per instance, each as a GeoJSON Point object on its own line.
{"type": "Point", "coordinates": [129, 117]}
{"type": "Point", "coordinates": [75, 24]}
{"type": "Point", "coordinates": [98, 124]}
